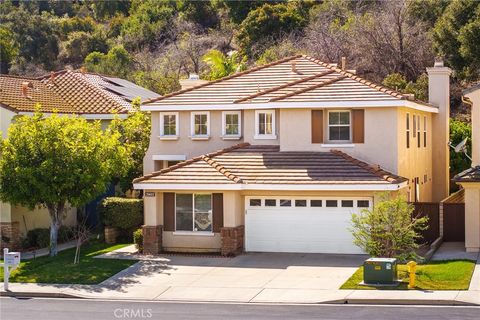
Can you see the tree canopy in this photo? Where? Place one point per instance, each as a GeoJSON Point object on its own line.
{"type": "Point", "coordinates": [54, 161]}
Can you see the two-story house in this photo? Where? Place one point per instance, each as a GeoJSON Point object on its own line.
{"type": "Point", "coordinates": [93, 96]}
{"type": "Point", "coordinates": [278, 157]}
{"type": "Point", "coordinates": [470, 179]}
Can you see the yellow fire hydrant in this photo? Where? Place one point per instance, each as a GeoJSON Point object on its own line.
{"type": "Point", "coordinates": [411, 267]}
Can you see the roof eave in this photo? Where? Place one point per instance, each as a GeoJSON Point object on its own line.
{"type": "Point", "coordinates": [274, 187]}
{"type": "Point", "coordinates": [293, 105]}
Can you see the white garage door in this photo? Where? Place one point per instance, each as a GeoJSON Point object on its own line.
{"type": "Point", "coordinates": [314, 225]}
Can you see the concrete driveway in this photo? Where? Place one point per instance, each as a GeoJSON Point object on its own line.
{"type": "Point", "coordinates": [258, 277]}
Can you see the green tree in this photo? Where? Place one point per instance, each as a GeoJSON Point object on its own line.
{"type": "Point", "coordinates": [456, 36]}
{"type": "Point", "coordinates": [147, 23]}
{"type": "Point", "coordinates": [80, 44]}
{"type": "Point", "coordinates": [267, 24]}
{"type": "Point", "coordinates": [8, 49]}
{"type": "Point", "coordinates": [55, 161]}
{"type": "Point", "coordinates": [222, 65]}
{"type": "Point", "coordinates": [35, 34]}
{"type": "Point", "coordinates": [135, 136]}
{"type": "Point", "coordinates": [388, 230]}
{"type": "Point", "coordinates": [399, 82]}
{"type": "Point", "coordinates": [117, 62]}
{"type": "Point", "coordinates": [459, 131]}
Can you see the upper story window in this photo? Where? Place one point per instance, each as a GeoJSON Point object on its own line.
{"type": "Point", "coordinates": [408, 130]}
{"type": "Point", "coordinates": [419, 136]}
{"type": "Point", "coordinates": [265, 124]}
{"type": "Point", "coordinates": [200, 124]}
{"type": "Point", "coordinates": [231, 125]}
{"type": "Point", "coordinates": [339, 126]}
{"type": "Point", "coordinates": [425, 131]}
{"type": "Point", "coordinates": [168, 124]}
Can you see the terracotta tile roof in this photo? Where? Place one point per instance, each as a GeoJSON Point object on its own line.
{"type": "Point", "coordinates": [295, 79]}
{"type": "Point", "coordinates": [469, 175]}
{"type": "Point", "coordinates": [248, 164]}
{"type": "Point", "coordinates": [65, 91]}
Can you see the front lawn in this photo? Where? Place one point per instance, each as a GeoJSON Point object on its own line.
{"type": "Point", "coordinates": [434, 275]}
{"type": "Point", "coordinates": [60, 269]}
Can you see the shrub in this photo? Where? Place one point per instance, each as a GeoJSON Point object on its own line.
{"type": "Point", "coordinates": [38, 238]}
{"type": "Point", "coordinates": [388, 230]}
{"type": "Point", "coordinates": [138, 239]}
{"type": "Point", "coordinates": [66, 234]}
{"type": "Point", "coordinates": [122, 213]}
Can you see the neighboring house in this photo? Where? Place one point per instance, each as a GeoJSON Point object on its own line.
{"type": "Point", "coordinates": [92, 96]}
{"type": "Point", "coordinates": [470, 179]}
{"type": "Point", "coordinates": [302, 145]}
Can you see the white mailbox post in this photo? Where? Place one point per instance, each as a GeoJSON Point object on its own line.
{"type": "Point", "coordinates": [11, 260]}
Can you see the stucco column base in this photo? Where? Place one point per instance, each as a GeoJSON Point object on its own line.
{"type": "Point", "coordinates": [152, 239]}
{"type": "Point", "coordinates": [232, 240]}
{"type": "Point", "coordinates": [10, 235]}
{"type": "Point", "coordinates": [472, 249]}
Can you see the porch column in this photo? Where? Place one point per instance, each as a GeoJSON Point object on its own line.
{"type": "Point", "coordinates": [153, 219]}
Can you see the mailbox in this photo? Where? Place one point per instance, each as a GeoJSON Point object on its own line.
{"type": "Point", "coordinates": [12, 258]}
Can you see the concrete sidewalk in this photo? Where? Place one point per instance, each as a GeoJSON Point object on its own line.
{"type": "Point", "coordinates": [248, 278]}
{"type": "Point", "coordinates": [248, 295]}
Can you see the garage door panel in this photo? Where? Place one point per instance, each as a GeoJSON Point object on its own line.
{"type": "Point", "coordinates": [310, 230]}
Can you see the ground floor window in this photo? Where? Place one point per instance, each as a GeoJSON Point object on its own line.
{"type": "Point", "coordinates": [193, 212]}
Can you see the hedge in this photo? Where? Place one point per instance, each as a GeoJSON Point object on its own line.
{"type": "Point", "coordinates": [138, 239]}
{"type": "Point", "coordinates": [122, 213]}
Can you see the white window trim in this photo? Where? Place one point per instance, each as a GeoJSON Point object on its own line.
{"type": "Point", "coordinates": [177, 122]}
{"type": "Point", "coordinates": [193, 136]}
{"type": "Point", "coordinates": [259, 136]}
{"type": "Point", "coordinates": [347, 142]}
{"type": "Point", "coordinates": [193, 232]}
{"type": "Point", "coordinates": [226, 136]}
{"type": "Point", "coordinates": [169, 157]}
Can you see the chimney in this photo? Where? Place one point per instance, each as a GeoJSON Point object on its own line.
{"type": "Point", "coordinates": [25, 86]}
{"type": "Point", "coordinates": [344, 63]}
{"type": "Point", "coordinates": [192, 81]}
{"type": "Point", "coordinates": [52, 76]}
{"type": "Point", "coordinates": [439, 96]}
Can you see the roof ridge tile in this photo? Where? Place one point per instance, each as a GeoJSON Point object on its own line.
{"type": "Point", "coordinates": [217, 166]}
{"type": "Point", "coordinates": [223, 79]}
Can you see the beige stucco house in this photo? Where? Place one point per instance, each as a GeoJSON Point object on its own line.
{"type": "Point", "coordinates": [470, 179]}
{"type": "Point", "coordinates": [278, 157]}
{"type": "Point", "coordinates": [92, 96]}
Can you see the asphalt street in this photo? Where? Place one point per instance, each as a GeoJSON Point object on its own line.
{"type": "Point", "coordinates": [71, 309]}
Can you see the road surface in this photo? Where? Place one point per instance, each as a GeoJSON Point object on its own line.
{"type": "Point", "coordinates": [72, 309]}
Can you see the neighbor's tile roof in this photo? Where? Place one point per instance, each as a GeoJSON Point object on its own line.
{"type": "Point", "coordinates": [66, 92]}
{"type": "Point", "coordinates": [294, 79]}
{"type": "Point", "coordinates": [469, 175]}
{"type": "Point", "coordinates": [248, 164]}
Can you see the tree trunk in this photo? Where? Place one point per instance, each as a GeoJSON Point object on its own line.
{"type": "Point", "coordinates": [56, 214]}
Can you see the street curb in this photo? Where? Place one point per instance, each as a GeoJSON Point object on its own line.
{"type": "Point", "coordinates": [19, 294]}
{"type": "Point", "coordinates": [407, 302]}
{"type": "Point", "coordinates": [340, 301]}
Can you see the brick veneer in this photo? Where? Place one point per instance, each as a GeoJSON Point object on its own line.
{"type": "Point", "coordinates": [152, 239]}
{"type": "Point", "coordinates": [232, 240]}
{"type": "Point", "coordinates": [10, 231]}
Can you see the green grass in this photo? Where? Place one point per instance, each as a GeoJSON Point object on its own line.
{"type": "Point", "coordinates": [60, 269]}
{"type": "Point", "coordinates": [435, 275]}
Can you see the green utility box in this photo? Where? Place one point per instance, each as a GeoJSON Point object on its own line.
{"type": "Point", "coordinates": [382, 271]}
